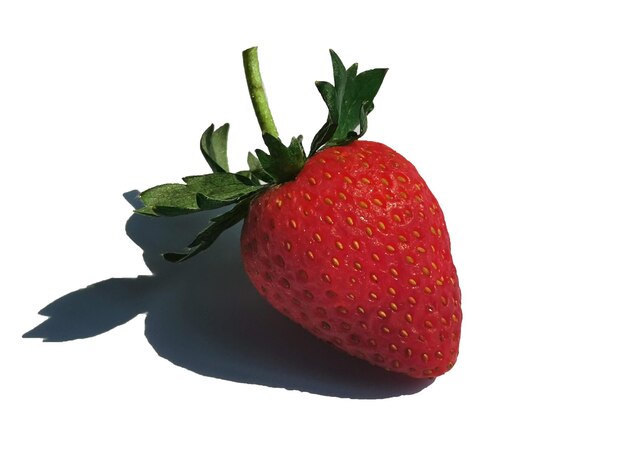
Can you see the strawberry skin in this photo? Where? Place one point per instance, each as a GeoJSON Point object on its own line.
{"type": "Point", "coordinates": [356, 250]}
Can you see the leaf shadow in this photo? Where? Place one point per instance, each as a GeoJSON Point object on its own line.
{"type": "Point", "coordinates": [204, 315]}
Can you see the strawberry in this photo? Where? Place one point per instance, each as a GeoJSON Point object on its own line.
{"type": "Point", "coordinates": [349, 242]}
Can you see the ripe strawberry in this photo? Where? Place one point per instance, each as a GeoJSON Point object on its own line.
{"type": "Point", "coordinates": [356, 250]}
{"type": "Point", "coordinates": [350, 243]}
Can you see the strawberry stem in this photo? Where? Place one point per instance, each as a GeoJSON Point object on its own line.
{"type": "Point", "coordinates": [257, 92]}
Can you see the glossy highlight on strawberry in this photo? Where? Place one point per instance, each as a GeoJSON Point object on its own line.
{"type": "Point", "coordinates": [347, 241]}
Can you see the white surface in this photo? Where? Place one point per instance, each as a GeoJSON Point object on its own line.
{"type": "Point", "coordinates": [514, 112]}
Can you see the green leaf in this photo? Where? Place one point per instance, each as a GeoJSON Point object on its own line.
{"type": "Point", "coordinates": [218, 225]}
{"type": "Point", "coordinates": [256, 169]}
{"type": "Point", "coordinates": [202, 192]}
{"type": "Point", "coordinates": [221, 186]}
{"type": "Point", "coordinates": [349, 101]}
{"type": "Point", "coordinates": [213, 145]}
{"type": "Point", "coordinates": [168, 200]}
{"type": "Point", "coordinates": [282, 163]}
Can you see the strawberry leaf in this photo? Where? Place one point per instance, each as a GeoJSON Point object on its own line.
{"type": "Point", "coordinates": [256, 169]}
{"type": "Point", "coordinates": [218, 225]}
{"type": "Point", "coordinates": [168, 200]}
{"type": "Point", "coordinates": [349, 101]}
{"type": "Point", "coordinates": [203, 192]}
{"type": "Point", "coordinates": [221, 186]}
{"type": "Point", "coordinates": [213, 145]}
{"type": "Point", "coordinates": [282, 163]}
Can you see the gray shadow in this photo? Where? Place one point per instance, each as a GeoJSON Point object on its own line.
{"type": "Point", "coordinates": [205, 315]}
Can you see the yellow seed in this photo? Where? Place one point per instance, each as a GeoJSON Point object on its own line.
{"type": "Point", "coordinates": [381, 314]}
{"type": "Point", "coordinates": [326, 278]}
{"type": "Point", "coordinates": [310, 254]}
{"type": "Point", "coordinates": [427, 290]}
{"type": "Point", "coordinates": [396, 364]}
{"type": "Point", "coordinates": [404, 333]}
{"type": "Point", "coordinates": [390, 248]}
{"type": "Point", "coordinates": [369, 231]}
{"type": "Point", "coordinates": [416, 234]}
{"type": "Point", "coordinates": [365, 181]}
{"type": "Point", "coordinates": [293, 223]}
{"type": "Point", "coordinates": [329, 220]}
{"type": "Point", "coordinates": [444, 300]}
{"type": "Point", "coordinates": [402, 238]}
{"type": "Point", "coordinates": [439, 282]}
{"type": "Point", "coordinates": [375, 257]}
{"type": "Point", "coordinates": [426, 271]}
{"type": "Point", "coordinates": [396, 217]}
{"type": "Point", "coordinates": [358, 265]}
{"type": "Point", "coordinates": [409, 318]}
{"type": "Point", "coordinates": [335, 262]}
{"type": "Point", "coordinates": [392, 291]}
{"type": "Point", "coordinates": [393, 347]}
{"type": "Point", "coordinates": [410, 259]}
{"type": "Point", "coordinates": [339, 245]}
{"type": "Point", "coordinates": [361, 310]}
{"type": "Point", "coordinates": [347, 179]}
{"type": "Point", "coordinates": [373, 296]}
{"type": "Point", "coordinates": [350, 220]}
{"type": "Point", "coordinates": [307, 196]}
{"type": "Point", "coordinates": [384, 181]}
{"type": "Point", "coordinates": [428, 324]}
{"type": "Point", "coordinates": [434, 265]}
{"type": "Point", "coordinates": [288, 246]}
{"type": "Point", "coordinates": [317, 237]}
{"type": "Point", "coordinates": [279, 203]}
{"type": "Point", "coordinates": [403, 194]}
{"type": "Point", "coordinates": [401, 178]}
{"type": "Point", "coordinates": [439, 355]}
{"type": "Point", "coordinates": [408, 352]}
{"type": "Point", "coordinates": [393, 306]}
{"type": "Point", "coordinates": [412, 300]}
{"type": "Point", "coordinates": [342, 196]}
{"type": "Point", "coordinates": [328, 201]}
{"type": "Point", "coordinates": [312, 181]}
{"type": "Point", "coordinates": [455, 318]}
{"type": "Point", "coordinates": [394, 272]}
{"type": "Point", "coordinates": [327, 175]}
{"type": "Point", "coordinates": [378, 202]}
{"type": "Point", "coordinates": [356, 245]}
{"type": "Point", "coordinates": [421, 249]}
{"type": "Point", "coordinates": [374, 277]}
{"type": "Point", "coordinates": [425, 357]}
{"type": "Point", "coordinates": [412, 282]}
{"type": "Point", "coordinates": [381, 225]}
{"type": "Point", "coordinates": [363, 204]}
{"type": "Point", "coordinates": [433, 231]}
{"type": "Point", "coordinates": [385, 330]}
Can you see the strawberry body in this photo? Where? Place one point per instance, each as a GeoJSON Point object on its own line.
{"type": "Point", "coordinates": [356, 250]}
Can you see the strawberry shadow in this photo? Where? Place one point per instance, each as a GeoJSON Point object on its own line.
{"type": "Point", "coordinates": [204, 315]}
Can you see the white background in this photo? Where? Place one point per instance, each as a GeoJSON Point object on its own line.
{"type": "Point", "coordinates": [514, 113]}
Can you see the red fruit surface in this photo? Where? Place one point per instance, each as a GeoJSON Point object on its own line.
{"type": "Point", "coordinates": [356, 250]}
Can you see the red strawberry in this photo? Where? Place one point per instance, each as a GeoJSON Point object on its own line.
{"type": "Point", "coordinates": [350, 243]}
{"type": "Point", "coordinates": [356, 250]}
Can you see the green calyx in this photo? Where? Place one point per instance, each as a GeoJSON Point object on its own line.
{"type": "Point", "coordinates": [349, 100]}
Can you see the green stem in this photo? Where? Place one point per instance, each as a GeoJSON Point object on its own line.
{"type": "Point", "coordinates": [257, 92]}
